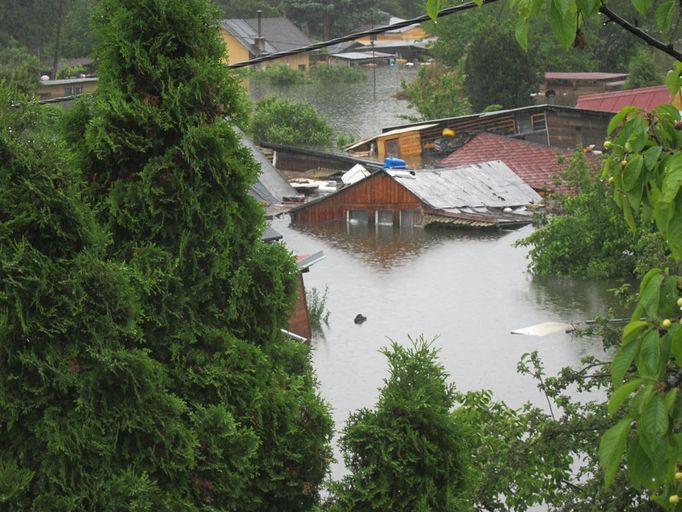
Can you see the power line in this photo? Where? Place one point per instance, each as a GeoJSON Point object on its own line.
{"type": "Point", "coordinates": [357, 35]}
{"type": "Point", "coordinates": [666, 48]}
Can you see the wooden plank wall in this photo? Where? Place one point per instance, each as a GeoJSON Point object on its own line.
{"type": "Point", "coordinates": [569, 130]}
{"type": "Point", "coordinates": [299, 322]}
{"type": "Point", "coordinates": [378, 192]}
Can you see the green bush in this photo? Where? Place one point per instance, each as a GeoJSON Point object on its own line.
{"type": "Point", "coordinates": [585, 234]}
{"type": "Point", "coordinates": [280, 74]}
{"type": "Point", "coordinates": [329, 73]}
{"type": "Point", "coordinates": [408, 453]}
{"type": "Point", "coordinates": [437, 92]}
{"type": "Point", "coordinates": [282, 121]}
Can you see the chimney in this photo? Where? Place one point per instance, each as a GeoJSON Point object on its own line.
{"type": "Point", "coordinates": [259, 42]}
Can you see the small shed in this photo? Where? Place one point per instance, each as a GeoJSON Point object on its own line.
{"type": "Point", "coordinates": [481, 195]}
{"type": "Point", "coordinates": [564, 88]}
{"type": "Point", "coordinates": [405, 143]}
{"type": "Point", "coordinates": [357, 58]}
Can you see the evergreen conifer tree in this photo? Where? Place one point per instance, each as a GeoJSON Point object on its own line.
{"type": "Point", "coordinates": [171, 181]}
{"type": "Point", "coordinates": [87, 418]}
{"type": "Point", "coordinates": [409, 452]}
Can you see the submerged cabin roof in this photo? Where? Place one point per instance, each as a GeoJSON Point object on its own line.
{"type": "Point", "coordinates": [272, 188]}
{"type": "Point", "coordinates": [488, 184]}
{"type": "Point", "coordinates": [645, 98]}
{"type": "Point", "coordinates": [536, 164]}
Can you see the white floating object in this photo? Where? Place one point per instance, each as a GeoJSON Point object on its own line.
{"type": "Point", "coordinates": [545, 328]}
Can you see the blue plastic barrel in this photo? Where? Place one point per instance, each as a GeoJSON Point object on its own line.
{"type": "Point", "coordinates": [394, 163]}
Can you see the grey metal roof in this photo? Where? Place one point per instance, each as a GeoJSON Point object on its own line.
{"type": "Point", "coordinates": [68, 81]}
{"type": "Point", "coordinates": [279, 33]}
{"type": "Point", "coordinates": [489, 184]}
{"type": "Point", "coordinates": [362, 55]}
{"type": "Point", "coordinates": [271, 187]}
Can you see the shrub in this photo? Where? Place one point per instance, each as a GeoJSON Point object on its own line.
{"type": "Point", "coordinates": [280, 74]}
{"type": "Point", "coordinates": [408, 453]}
{"type": "Point", "coordinates": [329, 73]}
{"type": "Point", "coordinates": [282, 121]}
{"type": "Point", "coordinates": [584, 234]}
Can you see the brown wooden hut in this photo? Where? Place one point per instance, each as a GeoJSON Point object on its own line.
{"type": "Point", "coordinates": [482, 195]}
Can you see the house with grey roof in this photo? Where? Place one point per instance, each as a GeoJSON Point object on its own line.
{"type": "Point", "coordinates": [484, 195]}
{"type": "Point", "coordinates": [249, 38]}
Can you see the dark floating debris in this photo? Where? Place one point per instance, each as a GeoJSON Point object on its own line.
{"type": "Point", "coordinates": [359, 318]}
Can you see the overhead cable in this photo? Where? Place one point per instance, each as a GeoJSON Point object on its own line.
{"type": "Point", "coordinates": [357, 35]}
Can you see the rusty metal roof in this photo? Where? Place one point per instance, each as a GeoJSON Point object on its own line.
{"type": "Point", "coordinates": [487, 184]}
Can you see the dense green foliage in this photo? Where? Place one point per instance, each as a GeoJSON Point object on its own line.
{"type": "Point", "coordinates": [645, 167]}
{"type": "Point", "coordinates": [280, 74]}
{"type": "Point", "coordinates": [487, 82]}
{"type": "Point", "coordinates": [18, 67]}
{"type": "Point", "coordinates": [171, 181]}
{"type": "Point", "coordinates": [408, 453]}
{"type": "Point", "coordinates": [437, 92]}
{"type": "Point", "coordinates": [643, 70]}
{"type": "Point", "coordinates": [584, 233]}
{"type": "Point", "coordinates": [329, 73]}
{"type": "Point", "coordinates": [87, 418]}
{"type": "Point", "coordinates": [281, 121]}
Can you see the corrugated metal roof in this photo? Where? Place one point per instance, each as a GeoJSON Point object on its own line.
{"type": "Point", "coordinates": [590, 75]}
{"type": "Point", "coordinates": [361, 55]}
{"type": "Point", "coordinates": [489, 184]}
{"type": "Point", "coordinates": [645, 98]}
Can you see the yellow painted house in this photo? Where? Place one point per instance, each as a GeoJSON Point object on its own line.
{"type": "Point", "coordinates": [51, 89]}
{"type": "Point", "coordinates": [409, 33]}
{"type": "Point", "coordinates": [248, 38]}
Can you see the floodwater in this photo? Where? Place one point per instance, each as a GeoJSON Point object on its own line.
{"type": "Point", "coordinates": [359, 109]}
{"type": "Point", "coordinates": [466, 290]}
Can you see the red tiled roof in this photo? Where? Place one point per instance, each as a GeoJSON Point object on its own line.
{"type": "Point", "coordinates": [534, 163]}
{"type": "Point", "coordinates": [646, 98]}
{"type": "Point", "coordinates": [591, 75]}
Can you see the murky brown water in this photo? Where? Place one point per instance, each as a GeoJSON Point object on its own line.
{"type": "Point", "coordinates": [467, 290]}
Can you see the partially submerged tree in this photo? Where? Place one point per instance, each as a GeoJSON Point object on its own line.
{"type": "Point", "coordinates": [171, 182]}
{"type": "Point", "coordinates": [282, 121]}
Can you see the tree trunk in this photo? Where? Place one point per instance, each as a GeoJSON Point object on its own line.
{"type": "Point", "coordinates": [57, 39]}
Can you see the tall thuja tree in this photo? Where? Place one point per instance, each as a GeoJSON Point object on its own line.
{"type": "Point", "coordinates": [171, 181]}
{"type": "Point", "coordinates": [87, 420]}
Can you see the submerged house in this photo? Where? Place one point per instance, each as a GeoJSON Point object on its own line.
{"type": "Point", "coordinates": [480, 196]}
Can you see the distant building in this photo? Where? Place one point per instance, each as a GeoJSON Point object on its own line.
{"type": "Point", "coordinates": [250, 38]}
{"type": "Point", "coordinates": [485, 195]}
{"type": "Point", "coordinates": [409, 33]}
{"type": "Point", "coordinates": [552, 125]}
{"type": "Point", "coordinates": [69, 87]}
{"type": "Point", "coordinates": [564, 88]}
{"type": "Point", "coordinates": [646, 98]}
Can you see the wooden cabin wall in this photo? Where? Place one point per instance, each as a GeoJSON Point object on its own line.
{"type": "Point", "coordinates": [569, 130]}
{"type": "Point", "coordinates": [378, 192]}
{"type": "Point", "coordinates": [299, 321]}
